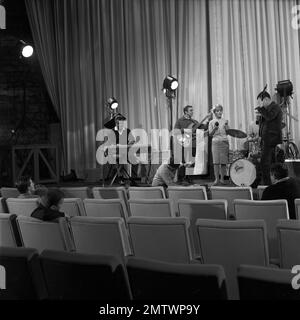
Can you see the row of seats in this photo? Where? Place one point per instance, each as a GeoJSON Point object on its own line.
{"type": "Point", "coordinates": [64, 276]}
{"type": "Point", "coordinates": [228, 243]}
{"type": "Point", "coordinates": [173, 192]}
{"type": "Point", "coordinates": [269, 211]}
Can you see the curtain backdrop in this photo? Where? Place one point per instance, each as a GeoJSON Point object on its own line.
{"type": "Point", "coordinates": [220, 51]}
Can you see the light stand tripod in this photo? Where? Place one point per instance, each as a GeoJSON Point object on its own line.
{"type": "Point", "coordinates": [290, 149]}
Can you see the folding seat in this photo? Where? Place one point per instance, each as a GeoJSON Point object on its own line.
{"type": "Point", "coordinates": [23, 207]}
{"type": "Point", "coordinates": [76, 276]}
{"type": "Point", "coordinates": [96, 235]}
{"type": "Point", "coordinates": [260, 190]}
{"type": "Point", "coordinates": [262, 283]}
{"type": "Point", "coordinates": [146, 193]}
{"type": "Point", "coordinates": [297, 208]}
{"type": "Point", "coordinates": [8, 236]}
{"type": "Point", "coordinates": [151, 208]}
{"type": "Point", "coordinates": [288, 232]}
{"type": "Point", "coordinates": [163, 239]}
{"type": "Point", "coordinates": [77, 192]}
{"type": "Point", "coordinates": [21, 272]}
{"type": "Point", "coordinates": [43, 235]}
{"type": "Point", "coordinates": [156, 280]}
{"type": "Point", "coordinates": [201, 209]}
{"type": "Point", "coordinates": [3, 205]}
{"type": "Point", "coordinates": [232, 243]}
{"type": "Point", "coordinates": [73, 207]}
{"type": "Point", "coordinates": [106, 208]}
{"type": "Point", "coordinates": [176, 193]}
{"type": "Point", "coordinates": [111, 193]}
{"type": "Point", "coordinates": [230, 194]}
{"type": "Point", "coordinates": [9, 192]}
{"type": "Point", "coordinates": [270, 211]}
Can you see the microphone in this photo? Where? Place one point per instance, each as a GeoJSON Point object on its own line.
{"type": "Point", "coordinates": [216, 124]}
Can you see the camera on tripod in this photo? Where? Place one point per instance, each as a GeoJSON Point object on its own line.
{"type": "Point", "coordinates": [284, 88]}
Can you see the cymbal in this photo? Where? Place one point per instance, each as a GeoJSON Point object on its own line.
{"type": "Point", "coordinates": [236, 133]}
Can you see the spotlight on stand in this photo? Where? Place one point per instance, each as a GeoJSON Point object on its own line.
{"type": "Point", "coordinates": [112, 103]}
{"type": "Point", "coordinates": [284, 88]}
{"type": "Point", "coordinates": [26, 50]}
{"type": "Point", "coordinates": [170, 85]}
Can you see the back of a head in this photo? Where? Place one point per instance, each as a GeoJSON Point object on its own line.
{"type": "Point", "coordinates": [22, 184]}
{"type": "Point", "coordinates": [172, 163]}
{"type": "Point", "coordinates": [279, 170]}
{"type": "Point", "coordinates": [53, 197]}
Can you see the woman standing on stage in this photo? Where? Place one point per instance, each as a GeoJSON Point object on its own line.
{"type": "Point", "coordinates": [220, 144]}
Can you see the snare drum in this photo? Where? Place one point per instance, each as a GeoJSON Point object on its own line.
{"type": "Point", "coordinates": [242, 172]}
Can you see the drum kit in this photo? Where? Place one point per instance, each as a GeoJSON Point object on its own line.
{"type": "Point", "coordinates": [242, 170]}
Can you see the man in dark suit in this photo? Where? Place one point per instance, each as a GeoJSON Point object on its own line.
{"type": "Point", "coordinates": [283, 187]}
{"type": "Point", "coordinates": [269, 131]}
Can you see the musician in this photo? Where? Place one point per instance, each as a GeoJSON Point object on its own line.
{"type": "Point", "coordinates": [187, 122]}
{"type": "Point", "coordinates": [220, 145]}
{"type": "Point", "coordinates": [123, 138]}
{"type": "Point", "coordinates": [269, 131]}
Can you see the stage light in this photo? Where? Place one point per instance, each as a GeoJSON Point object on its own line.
{"type": "Point", "coordinates": [284, 88]}
{"type": "Point", "coordinates": [112, 103]}
{"type": "Point", "coordinates": [27, 49]}
{"type": "Point", "coordinates": [170, 83]}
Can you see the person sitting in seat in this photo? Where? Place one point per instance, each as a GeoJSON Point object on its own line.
{"type": "Point", "coordinates": [26, 187]}
{"type": "Point", "coordinates": [49, 206]}
{"type": "Point", "coordinates": [283, 187]}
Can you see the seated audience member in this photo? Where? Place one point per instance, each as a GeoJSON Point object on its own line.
{"type": "Point", "coordinates": [165, 174]}
{"type": "Point", "coordinates": [283, 187]}
{"type": "Point", "coordinates": [26, 187]}
{"type": "Point", "coordinates": [48, 209]}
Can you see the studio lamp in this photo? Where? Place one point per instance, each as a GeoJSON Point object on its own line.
{"type": "Point", "coordinates": [112, 103]}
{"type": "Point", "coordinates": [170, 83]}
{"type": "Point", "coordinates": [284, 88]}
{"type": "Point", "coordinates": [26, 50]}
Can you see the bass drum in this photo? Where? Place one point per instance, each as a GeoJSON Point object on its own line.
{"type": "Point", "coordinates": [242, 172]}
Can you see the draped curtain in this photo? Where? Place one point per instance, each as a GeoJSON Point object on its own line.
{"type": "Point", "coordinates": [220, 51]}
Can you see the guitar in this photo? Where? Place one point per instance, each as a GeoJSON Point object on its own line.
{"type": "Point", "coordinates": [186, 138]}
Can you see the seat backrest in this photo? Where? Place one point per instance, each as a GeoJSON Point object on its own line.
{"type": "Point", "coordinates": [163, 239]}
{"type": "Point", "coordinates": [151, 208]}
{"type": "Point", "coordinates": [230, 194]}
{"type": "Point", "coordinates": [106, 208]}
{"type": "Point", "coordinates": [146, 193]}
{"type": "Point", "coordinates": [110, 193]}
{"type": "Point", "coordinates": [96, 235]}
{"type": "Point", "coordinates": [156, 280]}
{"type": "Point", "coordinates": [3, 205]}
{"type": "Point", "coordinates": [297, 208]}
{"type": "Point", "coordinates": [9, 192]}
{"type": "Point", "coordinates": [231, 243]}
{"type": "Point", "coordinates": [8, 230]}
{"type": "Point", "coordinates": [176, 193]}
{"type": "Point", "coordinates": [43, 235]}
{"type": "Point", "coordinates": [201, 209]}
{"type": "Point", "coordinates": [260, 190]}
{"type": "Point", "coordinates": [24, 279]}
{"type": "Point", "coordinates": [73, 207]}
{"type": "Point", "coordinates": [77, 192]}
{"type": "Point", "coordinates": [84, 276]}
{"type": "Point", "coordinates": [23, 207]}
{"type": "Point", "coordinates": [288, 232]}
{"type": "Point", "coordinates": [263, 283]}
{"type": "Point", "coordinates": [270, 211]}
